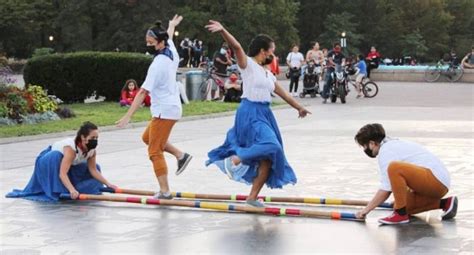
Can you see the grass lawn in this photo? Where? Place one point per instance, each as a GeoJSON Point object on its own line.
{"type": "Point", "coordinates": [105, 114]}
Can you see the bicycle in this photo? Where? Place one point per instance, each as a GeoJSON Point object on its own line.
{"type": "Point", "coordinates": [452, 72]}
{"type": "Point", "coordinates": [369, 88]}
{"type": "Point", "coordinates": [210, 79]}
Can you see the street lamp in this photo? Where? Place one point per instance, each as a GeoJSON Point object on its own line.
{"type": "Point", "coordinates": [176, 33]}
{"type": "Point", "coordinates": [343, 40]}
{"type": "Point", "coordinates": [51, 38]}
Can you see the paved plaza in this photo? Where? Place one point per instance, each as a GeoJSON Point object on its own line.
{"type": "Point", "coordinates": [320, 148]}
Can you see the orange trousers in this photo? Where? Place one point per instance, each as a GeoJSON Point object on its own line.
{"type": "Point", "coordinates": [415, 187]}
{"type": "Point", "coordinates": [156, 136]}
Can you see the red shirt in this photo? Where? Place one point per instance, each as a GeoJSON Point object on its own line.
{"type": "Point", "coordinates": [373, 55]}
{"type": "Point", "coordinates": [274, 67]}
{"type": "Point", "coordinates": [129, 95]}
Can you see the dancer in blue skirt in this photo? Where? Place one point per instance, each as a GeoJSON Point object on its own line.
{"type": "Point", "coordinates": [67, 166]}
{"type": "Point", "coordinates": [253, 150]}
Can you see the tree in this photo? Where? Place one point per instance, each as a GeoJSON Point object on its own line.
{"type": "Point", "coordinates": [335, 24]}
{"type": "Point", "coordinates": [414, 45]}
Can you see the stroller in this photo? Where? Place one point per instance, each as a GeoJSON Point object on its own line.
{"type": "Point", "coordinates": [311, 80]}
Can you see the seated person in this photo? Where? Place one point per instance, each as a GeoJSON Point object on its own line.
{"type": "Point", "coordinates": [468, 60]}
{"type": "Point", "coordinates": [233, 88]}
{"type": "Point", "coordinates": [66, 166]}
{"type": "Point", "coordinates": [129, 91]}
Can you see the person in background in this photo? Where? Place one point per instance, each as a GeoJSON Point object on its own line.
{"type": "Point", "coordinates": [295, 61]}
{"type": "Point", "coordinates": [468, 60]}
{"type": "Point", "coordinates": [233, 89]}
{"type": "Point", "coordinates": [373, 59]}
{"type": "Point", "coordinates": [129, 91]}
{"type": "Point", "coordinates": [361, 74]}
{"type": "Point", "coordinates": [222, 60]}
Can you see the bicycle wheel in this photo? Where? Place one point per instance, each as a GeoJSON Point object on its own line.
{"type": "Point", "coordinates": [455, 74]}
{"type": "Point", "coordinates": [432, 73]}
{"type": "Point", "coordinates": [370, 89]}
{"type": "Point", "coordinates": [204, 89]}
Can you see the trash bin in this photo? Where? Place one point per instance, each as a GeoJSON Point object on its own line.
{"type": "Point", "coordinates": [193, 81]}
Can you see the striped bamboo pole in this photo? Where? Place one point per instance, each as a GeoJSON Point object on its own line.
{"type": "Point", "coordinates": [220, 206]}
{"type": "Point", "coordinates": [268, 199]}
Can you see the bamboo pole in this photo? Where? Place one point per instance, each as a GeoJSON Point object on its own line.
{"type": "Point", "coordinates": [267, 199]}
{"type": "Point", "coordinates": [220, 206]}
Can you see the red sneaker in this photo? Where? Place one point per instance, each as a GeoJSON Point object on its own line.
{"type": "Point", "coordinates": [450, 208]}
{"type": "Point", "coordinates": [395, 218]}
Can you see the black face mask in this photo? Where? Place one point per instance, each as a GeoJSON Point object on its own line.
{"type": "Point", "coordinates": [151, 49]}
{"type": "Point", "coordinates": [92, 144]}
{"type": "Point", "coordinates": [369, 152]}
{"type": "Point", "coordinates": [268, 60]}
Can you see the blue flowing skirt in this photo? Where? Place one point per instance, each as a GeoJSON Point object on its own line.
{"type": "Point", "coordinates": [45, 184]}
{"type": "Point", "coordinates": [254, 137]}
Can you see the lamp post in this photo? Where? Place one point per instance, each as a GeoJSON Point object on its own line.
{"type": "Point", "coordinates": [343, 40]}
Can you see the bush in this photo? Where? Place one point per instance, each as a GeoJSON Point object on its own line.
{"type": "Point", "coordinates": [73, 77]}
{"type": "Point", "coordinates": [42, 52]}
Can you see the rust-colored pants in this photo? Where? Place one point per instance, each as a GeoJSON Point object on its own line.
{"type": "Point", "coordinates": [415, 187]}
{"type": "Point", "coordinates": [155, 136]}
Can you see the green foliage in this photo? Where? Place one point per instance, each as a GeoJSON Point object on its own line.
{"type": "Point", "coordinates": [79, 25]}
{"type": "Point", "coordinates": [415, 45]}
{"type": "Point", "coordinates": [75, 76]}
{"type": "Point", "coordinates": [17, 106]}
{"type": "Point", "coordinates": [3, 109]}
{"type": "Point", "coordinates": [42, 103]}
{"type": "Point", "coordinates": [42, 51]}
{"type": "Point", "coordinates": [16, 103]}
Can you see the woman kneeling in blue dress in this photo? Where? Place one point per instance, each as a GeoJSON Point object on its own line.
{"type": "Point", "coordinates": [253, 150]}
{"type": "Point", "coordinates": [66, 166]}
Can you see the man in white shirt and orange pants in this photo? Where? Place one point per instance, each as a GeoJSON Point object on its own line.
{"type": "Point", "coordinates": [416, 177]}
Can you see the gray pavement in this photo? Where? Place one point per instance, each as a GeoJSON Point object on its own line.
{"type": "Point", "coordinates": [320, 148]}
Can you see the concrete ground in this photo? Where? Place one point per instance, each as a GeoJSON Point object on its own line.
{"type": "Point", "coordinates": [320, 148]}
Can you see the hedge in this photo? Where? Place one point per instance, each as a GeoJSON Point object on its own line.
{"type": "Point", "coordinates": [74, 77]}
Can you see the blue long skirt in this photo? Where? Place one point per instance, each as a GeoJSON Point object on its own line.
{"type": "Point", "coordinates": [45, 184]}
{"type": "Point", "coordinates": [254, 137]}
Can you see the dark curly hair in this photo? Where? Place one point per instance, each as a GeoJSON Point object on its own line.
{"type": "Point", "coordinates": [370, 132]}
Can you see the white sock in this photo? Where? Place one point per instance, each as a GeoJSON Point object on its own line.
{"type": "Point", "coordinates": [182, 156]}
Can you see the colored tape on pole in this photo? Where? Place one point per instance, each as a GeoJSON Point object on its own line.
{"type": "Point", "coordinates": [335, 215]}
{"type": "Point", "coordinates": [330, 201]}
{"type": "Point", "coordinates": [233, 197]}
{"type": "Point", "coordinates": [188, 195]}
{"type": "Point", "coordinates": [311, 200]}
{"type": "Point", "coordinates": [133, 200]}
{"type": "Point", "coordinates": [215, 206]}
{"type": "Point", "coordinates": [143, 200]}
{"type": "Point", "coordinates": [82, 197]}
{"type": "Point", "coordinates": [268, 199]}
{"type": "Point", "coordinates": [348, 216]}
{"type": "Point", "coordinates": [282, 211]}
{"type": "Point", "coordinates": [117, 190]}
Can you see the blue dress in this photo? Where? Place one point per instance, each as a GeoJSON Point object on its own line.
{"type": "Point", "coordinates": [45, 184]}
{"type": "Point", "coordinates": [254, 137]}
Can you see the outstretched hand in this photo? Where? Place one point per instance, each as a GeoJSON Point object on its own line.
{"type": "Point", "coordinates": [122, 122]}
{"type": "Point", "coordinates": [214, 26]}
{"type": "Point", "coordinates": [176, 20]}
{"type": "Point", "coordinates": [303, 112]}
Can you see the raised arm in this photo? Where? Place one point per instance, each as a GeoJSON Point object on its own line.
{"type": "Point", "coordinates": [173, 24]}
{"type": "Point", "coordinates": [215, 26]}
